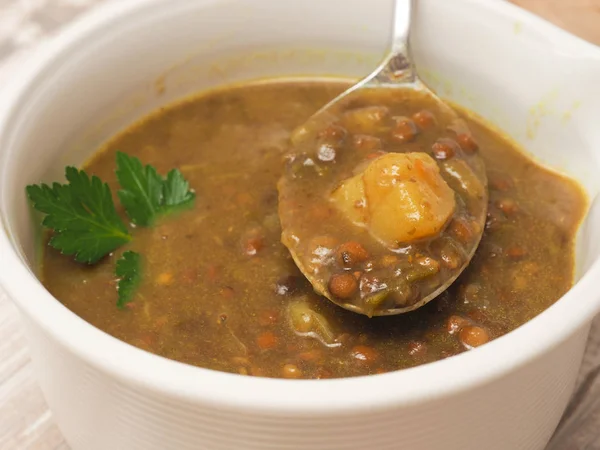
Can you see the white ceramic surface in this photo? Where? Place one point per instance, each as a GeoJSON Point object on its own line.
{"type": "Point", "coordinates": [535, 81]}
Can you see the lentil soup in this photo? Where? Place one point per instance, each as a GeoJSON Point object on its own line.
{"type": "Point", "coordinates": [220, 290]}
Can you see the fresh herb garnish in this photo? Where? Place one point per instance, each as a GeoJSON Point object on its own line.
{"type": "Point", "coordinates": [82, 215]}
{"type": "Point", "coordinates": [128, 270]}
{"type": "Point", "coordinates": [176, 191]}
{"type": "Point", "coordinates": [86, 224]}
{"type": "Point", "coordinates": [145, 194]}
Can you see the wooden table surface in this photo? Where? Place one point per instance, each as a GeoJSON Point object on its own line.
{"type": "Point", "coordinates": [25, 421]}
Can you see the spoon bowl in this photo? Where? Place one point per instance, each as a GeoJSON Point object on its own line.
{"type": "Point", "coordinates": [384, 197]}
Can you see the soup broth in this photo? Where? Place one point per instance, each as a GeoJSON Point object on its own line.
{"type": "Point", "coordinates": [219, 290]}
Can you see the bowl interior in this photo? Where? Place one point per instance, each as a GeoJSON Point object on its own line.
{"type": "Point", "coordinates": [537, 84]}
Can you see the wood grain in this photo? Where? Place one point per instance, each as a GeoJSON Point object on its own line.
{"type": "Point", "coordinates": [580, 17]}
{"type": "Point", "coordinates": [25, 421]}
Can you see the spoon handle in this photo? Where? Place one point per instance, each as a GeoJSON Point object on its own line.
{"type": "Point", "coordinates": [403, 10]}
{"type": "Point", "coordinates": [398, 67]}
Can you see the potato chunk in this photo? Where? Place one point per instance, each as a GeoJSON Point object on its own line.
{"type": "Point", "coordinates": [399, 198]}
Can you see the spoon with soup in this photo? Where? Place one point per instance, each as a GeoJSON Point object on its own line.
{"type": "Point", "coordinates": [384, 195]}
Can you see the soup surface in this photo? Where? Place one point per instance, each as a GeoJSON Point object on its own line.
{"type": "Point", "coordinates": [220, 290]}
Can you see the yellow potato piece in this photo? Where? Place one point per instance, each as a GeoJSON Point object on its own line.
{"type": "Point", "coordinates": [365, 120]}
{"type": "Point", "coordinates": [350, 198]}
{"type": "Point", "coordinates": [399, 197]}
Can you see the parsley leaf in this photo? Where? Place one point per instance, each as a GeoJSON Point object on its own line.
{"type": "Point", "coordinates": [142, 192]}
{"type": "Point", "coordinates": [177, 190]}
{"type": "Point", "coordinates": [145, 194]}
{"type": "Point", "coordinates": [128, 271]}
{"type": "Point", "coordinates": [82, 215]}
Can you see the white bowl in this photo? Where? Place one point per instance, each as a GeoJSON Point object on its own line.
{"type": "Point", "coordinates": [536, 82]}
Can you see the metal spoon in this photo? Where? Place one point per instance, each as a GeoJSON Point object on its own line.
{"type": "Point", "coordinates": [395, 74]}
